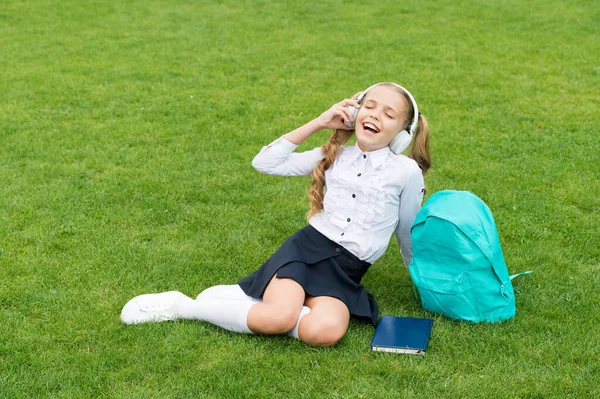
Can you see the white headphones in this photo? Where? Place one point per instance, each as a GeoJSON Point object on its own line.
{"type": "Point", "coordinates": [404, 137]}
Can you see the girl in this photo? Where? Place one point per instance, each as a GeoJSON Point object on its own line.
{"type": "Point", "coordinates": [311, 286]}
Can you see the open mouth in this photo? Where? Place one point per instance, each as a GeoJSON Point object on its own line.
{"type": "Point", "coordinates": [371, 128]}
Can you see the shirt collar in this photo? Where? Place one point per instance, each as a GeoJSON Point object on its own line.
{"type": "Point", "coordinates": [377, 157]}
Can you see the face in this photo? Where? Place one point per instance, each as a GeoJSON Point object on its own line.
{"type": "Point", "coordinates": [380, 118]}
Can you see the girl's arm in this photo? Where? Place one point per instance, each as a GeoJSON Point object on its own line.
{"type": "Point", "coordinates": [278, 158]}
{"type": "Point", "coordinates": [410, 204]}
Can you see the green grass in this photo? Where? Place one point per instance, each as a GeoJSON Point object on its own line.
{"type": "Point", "coordinates": [127, 129]}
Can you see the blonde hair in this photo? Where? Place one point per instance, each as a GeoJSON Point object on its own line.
{"type": "Point", "coordinates": [419, 151]}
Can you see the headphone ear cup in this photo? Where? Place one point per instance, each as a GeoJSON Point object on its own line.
{"type": "Point", "coordinates": [400, 142]}
{"type": "Point", "coordinates": [354, 112]}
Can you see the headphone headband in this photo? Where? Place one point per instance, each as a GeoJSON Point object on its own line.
{"type": "Point", "coordinates": [415, 120]}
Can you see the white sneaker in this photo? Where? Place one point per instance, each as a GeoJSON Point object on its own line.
{"type": "Point", "coordinates": [152, 308]}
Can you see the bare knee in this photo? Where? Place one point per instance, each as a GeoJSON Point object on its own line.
{"type": "Point", "coordinates": [272, 319]}
{"type": "Point", "coordinates": [283, 319]}
{"type": "Point", "coordinates": [278, 314]}
{"type": "Point", "coordinates": [322, 333]}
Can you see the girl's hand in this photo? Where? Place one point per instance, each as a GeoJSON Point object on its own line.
{"type": "Point", "coordinates": [335, 116]}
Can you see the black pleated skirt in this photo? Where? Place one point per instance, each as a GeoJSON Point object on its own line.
{"type": "Point", "coordinates": [321, 267]}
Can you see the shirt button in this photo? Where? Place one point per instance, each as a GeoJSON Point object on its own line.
{"type": "Point", "coordinates": [364, 156]}
{"type": "Point", "coordinates": [353, 195]}
{"type": "Point", "coordinates": [343, 233]}
{"type": "Point", "coordinates": [337, 250]}
{"type": "Point", "coordinates": [359, 174]}
{"type": "Point", "coordinates": [347, 220]}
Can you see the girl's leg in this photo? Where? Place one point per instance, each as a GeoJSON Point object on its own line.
{"type": "Point", "coordinates": [235, 292]}
{"type": "Point", "coordinates": [226, 306]}
{"type": "Point", "coordinates": [294, 331]}
{"type": "Point", "coordinates": [327, 322]}
{"type": "Point", "coordinates": [279, 312]}
{"type": "Point", "coordinates": [229, 314]}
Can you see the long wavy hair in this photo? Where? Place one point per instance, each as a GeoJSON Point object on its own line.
{"type": "Point", "coordinates": [419, 151]}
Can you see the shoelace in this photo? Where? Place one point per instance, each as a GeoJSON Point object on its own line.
{"type": "Point", "coordinates": [159, 312]}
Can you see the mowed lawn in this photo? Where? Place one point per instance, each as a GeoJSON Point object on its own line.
{"type": "Point", "coordinates": [127, 130]}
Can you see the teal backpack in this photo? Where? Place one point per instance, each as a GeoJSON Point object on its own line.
{"type": "Point", "coordinates": [458, 267]}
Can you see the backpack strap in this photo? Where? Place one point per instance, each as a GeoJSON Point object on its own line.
{"type": "Point", "coordinates": [517, 275]}
{"type": "Point", "coordinates": [520, 274]}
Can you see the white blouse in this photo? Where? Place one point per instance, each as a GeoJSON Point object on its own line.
{"type": "Point", "coordinates": [368, 196]}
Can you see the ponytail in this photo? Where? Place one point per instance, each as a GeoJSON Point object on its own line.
{"type": "Point", "coordinates": [330, 152]}
{"type": "Point", "coordinates": [419, 151]}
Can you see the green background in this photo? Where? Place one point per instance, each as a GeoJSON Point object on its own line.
{"type": "Point", "coordinates": [127, 131]}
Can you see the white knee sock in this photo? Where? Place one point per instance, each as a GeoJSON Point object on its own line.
{"type": "Point", "coordinates": [294, 332]}
{"type": "Point", "coordinates": [227, 306]}
{"type": "Point", "coordinates": [224, 292]}
{"type": "Point", "coordinates": [230, 314]}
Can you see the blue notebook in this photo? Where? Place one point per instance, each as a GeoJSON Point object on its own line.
{"type": "Point", "coordinates": [402, 335]}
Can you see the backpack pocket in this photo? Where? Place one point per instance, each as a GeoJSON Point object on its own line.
{"type": "Point", "coordinates": [450, 295]}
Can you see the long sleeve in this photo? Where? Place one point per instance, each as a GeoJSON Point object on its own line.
{"type": "Point", "coordinates": [279, 159]}
{"type": "Point", "coordinates": [410, 204]}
